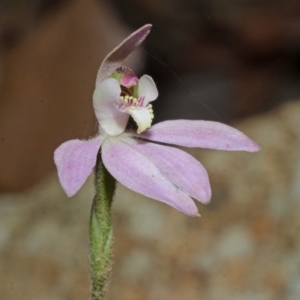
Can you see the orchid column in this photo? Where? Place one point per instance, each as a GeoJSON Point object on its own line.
{"type": "Point", "coordinates": [144, 160]}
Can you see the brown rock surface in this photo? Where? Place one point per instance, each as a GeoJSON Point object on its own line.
{"type": "Point", "coordinates": [245, 246]}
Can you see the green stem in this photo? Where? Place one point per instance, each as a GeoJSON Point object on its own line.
{"type": "Point", "coordinates": [101, 232]}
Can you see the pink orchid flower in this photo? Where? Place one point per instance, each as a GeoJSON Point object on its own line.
{"type": "Point", "coordinates": [138, 160]}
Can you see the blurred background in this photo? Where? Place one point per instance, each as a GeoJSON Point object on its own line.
{"type": "Point", "coordinates": [236, 62]}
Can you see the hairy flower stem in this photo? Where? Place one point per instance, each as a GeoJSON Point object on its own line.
{"type": "Point", "coordinates": [101, 231]}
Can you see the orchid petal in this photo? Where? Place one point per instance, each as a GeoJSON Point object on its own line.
{"type": "Point", "coordinates": [75, 161]}
{"type": "Point", "coordinates": [138, 173]}
{"type": "Point", "coordinates": [116, 57]}
{"type": "Point", "coordinates": [202, 134]}
{"type": "Point", "coordinates": [147, 89]}
{"type": "Point", "coordinates": [106, 100]}
{"type": "Point", "coordinates": [180, 168]}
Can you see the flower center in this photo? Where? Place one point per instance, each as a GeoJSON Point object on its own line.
{"type": "Point", "coordinates": [141, 114]}
{"type": "Point", "coordinates": [127, 101]}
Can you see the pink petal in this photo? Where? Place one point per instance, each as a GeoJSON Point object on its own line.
{"type": "Point", "coordinates": [180, 168]}
{"type": "Point", "coordinates": [106, 101]}
{"type": "Point", "coordinates": [138, 173]}
{"type": "Point", "coordinates": [115, 58]}
{"type": "Point", "coordinates": [75, 161]}
{"type": "Point", "coordinates": [202, 134]}
{"type": "Point", "coordinates": [147, 89]}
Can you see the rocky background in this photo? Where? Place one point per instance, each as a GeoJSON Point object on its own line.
{"type": "Point", "coordinates": [230, 62]}
{"type": "Point", "coordinates": [245, 246]}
